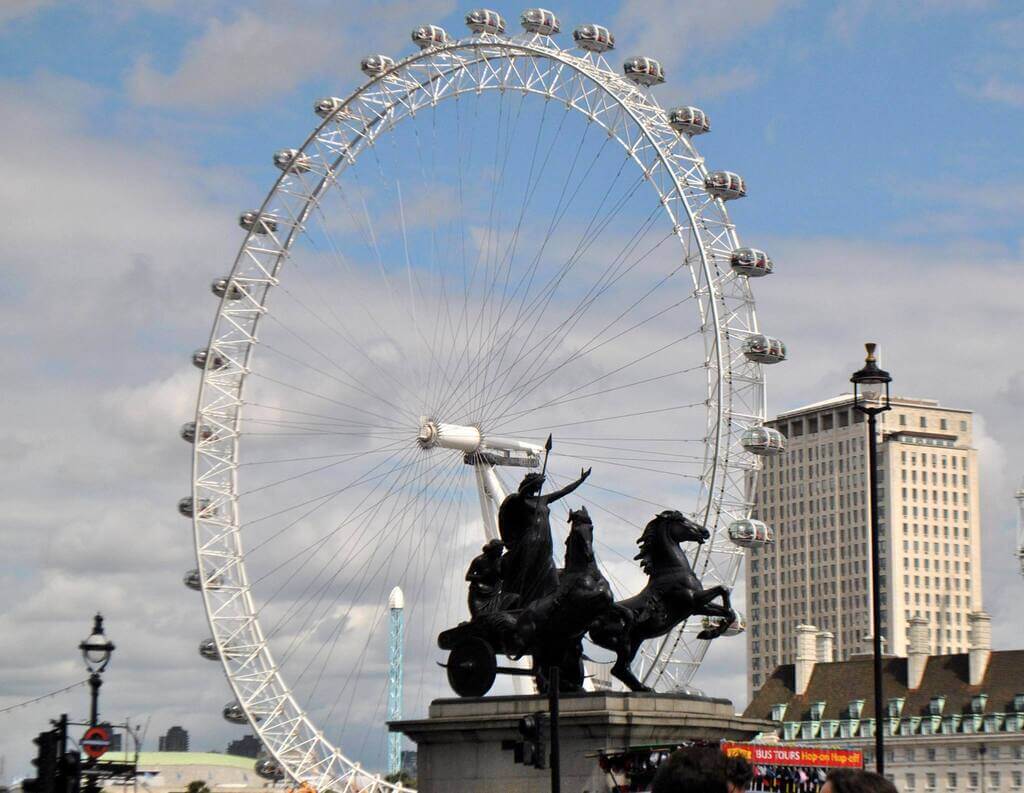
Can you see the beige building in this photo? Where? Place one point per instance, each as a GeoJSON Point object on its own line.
{"type": "Point", "coordinates": [815, 497]}
{"type": "Point", "coordinates": [952, 723]}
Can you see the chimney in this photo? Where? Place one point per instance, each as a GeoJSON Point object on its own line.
{"type": "Point", "coordinates": [917, 651]}
{"type": "Point", "coordinates": [826, 652]}
{"type": "Point", "coordinates": [980, 647]}
{"type": "Point", "coordinates": [806, 656]}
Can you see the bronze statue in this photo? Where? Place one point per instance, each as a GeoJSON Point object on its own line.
{"type": "Point", "coordinates": [672, 595]}
{"type": "Point", "coordinates": [521, 605]}
{"type": "Point", "coordinates": [528, 569]}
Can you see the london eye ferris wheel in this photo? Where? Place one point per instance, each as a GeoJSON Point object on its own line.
{"type": "Point", "coordinates": [492, 239]}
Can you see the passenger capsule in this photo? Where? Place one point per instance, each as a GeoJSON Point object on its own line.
{"type": "Point", "coordinates": [751, 262]}
{"type": "Point", "coordinates": [594, 38]}
{"type": "Point", "coordinates": [483, 20]}
{"type": "Point", "coordinates": [748, 533]}
{"type": "Point", "coordinates": [736, 627]}
{"type": "Point", "coordinates": [208, 650]}
{"type": "Point", "coordinates": [199, 360]}
{"type": "Point", "coordinates": [689, 120]}
{"type": "Point", "coordinates": [192, 581]}
{"type": "Point", "coordinates": [763, 349]}
{"type": "Point", "coordinates": [644, 71]}
{"type": "Point", "coordinates": [187, 507]}
{"type": "Point", "coordinates": [376, 65]}
{"type": "Point", "coordinates": [292, 161]}
{"type": "Point", "coordinates": [329, 105]}
{"type": "Point", "coordinates": [233, 712]}
{"type": "Point", "coordinates": [188, 432]}
{"type": "Point", "coordinates": [225, 287]}
{"type": "Point", "coordinates": [725, 185]}
{"type": "Point", "coordinates": [268, 769]}
{"type": "Point", "coordinates": [252, 221]}
{"type": "Point", "coordinates": [763, 441]}
{"type": "Point", "coordinates": [540, 21]}
{"type": "Point", "coordinates": [426, 36]}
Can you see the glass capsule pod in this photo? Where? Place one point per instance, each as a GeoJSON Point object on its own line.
{"type": "Point", "coordinates": [266, 768]}
{"type": "Point", "coordinates": [426, 36]}
{"type": "Point", "coordinates": [329, 105]}
{"type": "Point", "coordinates": [187, 507]}
{"type": "Point", "coordinates": [483, 20]}
{"type": "Point", "coordinates": [725, 185]}
{"type": "Point", "coordinates": [208, 650]}
{"type": "Point", "coordinates": [736, 627]}
{"type": "Point", "coordinates": [594, 38]}
{"type": "Point", "coordinates": [292, 161]}
{"type": "Point", "coordinates": [199, 359]}
{"type": "Point", "coordinates": [644, 71]}
{"type": "Point", "coordinates": [689, 120]}
{"type": "Point", "coordinates": [750, 533]}
{"type": "Point", "coordinates": [751, 262]}
{"type": "Point", "coordinates": [763, 441]}
{"type": "Point", "coordinates": [540, 21]}
{"type": "Point", "coordinates": [188, 432]}
{"type": "Point", "coordinates": [251, 221]}
{"type": "Point", "coordinates": [764, 349]}
{"type": "Point", "coordinates": [192, 581]}
{"type": "Point", "coordinates": [233, 713]}
{"type": "Point", "coordinates": [375, 65]}
{"type": "Point", "coordinates": [225, 287]}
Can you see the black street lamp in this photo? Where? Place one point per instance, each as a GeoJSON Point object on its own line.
{"type": "Point", "coordinates": [872, 402]}
{"type": "Point", "coordinates": [96, 650]}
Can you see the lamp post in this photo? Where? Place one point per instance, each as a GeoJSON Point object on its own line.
{"type": "Point", "coordinates": [872, 403]}
{"type": "Point", "coordinates": [96, 650]}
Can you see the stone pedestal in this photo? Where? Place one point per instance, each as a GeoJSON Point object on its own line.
{"type": "Point", "coordinates": [459, 744]}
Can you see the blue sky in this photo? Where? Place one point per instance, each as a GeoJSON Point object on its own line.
{"type": "Point", "coordinates": [881, 147]}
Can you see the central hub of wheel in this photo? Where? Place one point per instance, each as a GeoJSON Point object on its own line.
{"type": "Point", "coordinates": [462, 438]}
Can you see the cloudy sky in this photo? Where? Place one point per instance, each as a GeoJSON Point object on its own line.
{"type": "Point", "coordinates": [880, 143]}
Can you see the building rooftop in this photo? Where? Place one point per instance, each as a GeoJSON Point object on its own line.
{"type": "Point", "coordinates": [840, 682]}
{"type": "Point", "coordinates": [845, 399]}
{"type": "Point", "coordinates": [149, 759]}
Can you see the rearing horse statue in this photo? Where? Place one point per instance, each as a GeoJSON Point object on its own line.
{"type": "Point", "coordinates": [673, 594]}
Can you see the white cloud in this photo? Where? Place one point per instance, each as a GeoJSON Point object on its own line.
{"type": "Point", "coordinates": [259, 54]}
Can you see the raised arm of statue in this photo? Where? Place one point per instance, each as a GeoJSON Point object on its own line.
{"type": "Point", "coordinates": [557, 494]}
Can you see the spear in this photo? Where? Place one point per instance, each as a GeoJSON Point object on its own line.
{"type": "Point", "coordinates": [547, 450]}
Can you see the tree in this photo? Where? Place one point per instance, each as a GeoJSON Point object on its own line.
{"type": "Point", "coordinates": [401, 778]}
{"type": "Point", "coordinates": [197, 786]}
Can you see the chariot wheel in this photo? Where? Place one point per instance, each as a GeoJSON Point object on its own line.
{"type": "Point", "coordinates": [472, 668]}
{"type": "Point", "coordinates": [492, 239]}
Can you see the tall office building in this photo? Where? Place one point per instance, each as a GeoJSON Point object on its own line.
{"type": "Point", "coordinates": [176, 740]}
{"type": "Point", "coordinates": [815, 497]}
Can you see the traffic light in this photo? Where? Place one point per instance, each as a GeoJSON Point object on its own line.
{"type": "Point", "coordinates": [45, 763]}
{"type": "Point", "coordinates": [70, 773]}
{"type": "Point", "coordinates": [530, 750]}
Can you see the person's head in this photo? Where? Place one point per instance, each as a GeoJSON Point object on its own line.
{"type": "Point", "coordinates": [695, 769]}
{"type": "Point", "coordinates": [849, 781]}
{"type": "Point", "coordinates": [494, 548]}
{"type": "Point", "coordinates": [738, 774]}
{"type": "Point", "coordinates": [531, 484]}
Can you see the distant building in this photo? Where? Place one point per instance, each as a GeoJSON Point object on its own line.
{"type": "Point", "coordinates": [409, 763]}
{"type": "Point", "coordinates": [246, 746]}
{"type": "Point", "coordinates": [176, 740]}
{"type": "Point", "coordinates": [815, 498]}
{"type": "Point", "coordinates": [170, 772]}
{"type": "Point", "coordinates": [952, 722]}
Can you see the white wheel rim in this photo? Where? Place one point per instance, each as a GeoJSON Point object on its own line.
{"type": "Point", "coordinates": [735, 396]}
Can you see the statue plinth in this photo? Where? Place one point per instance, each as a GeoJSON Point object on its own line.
{"type": "Point", "coordinates": [460, 742]}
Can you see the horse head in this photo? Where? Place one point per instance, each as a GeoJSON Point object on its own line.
{"type": "Point", "coordinates": [579, 545]}
{"type": "Point", "coordinates": [659, 544]}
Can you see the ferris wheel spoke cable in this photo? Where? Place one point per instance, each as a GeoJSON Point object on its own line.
{"type": "Point", "coordinates": [537, 307]}
{"type": "Point", "coordinates": [450, 479]}
{"type": "Point", "coordinates": [553, 223]}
